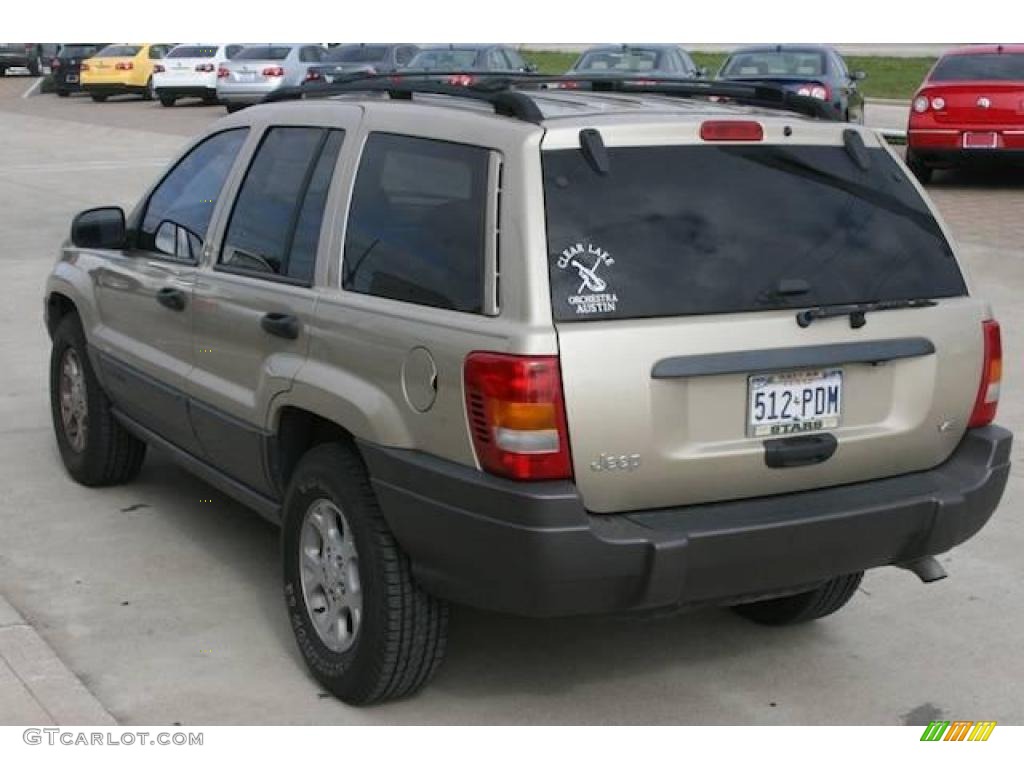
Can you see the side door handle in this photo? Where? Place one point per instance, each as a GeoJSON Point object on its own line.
{"type": "Point", "coordinates": [278, 324]}
{"type": "Point", "coordinates": [172, 298]}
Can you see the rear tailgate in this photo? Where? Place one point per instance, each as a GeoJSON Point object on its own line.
{"type": "Point", "coordinates": [676, 282]}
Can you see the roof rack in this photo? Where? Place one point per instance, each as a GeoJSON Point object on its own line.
{"type": "Point", "coordinates": [510, 93]}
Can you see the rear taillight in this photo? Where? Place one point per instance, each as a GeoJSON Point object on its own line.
{"type": "Point", "coordinates": [207, 67]}
{"type": "Point", "coordinates": [54, 64]}
{"type": "Point", "coordinates": [731, 130]}
{"type": "Point", "coordinates": [129, 65]}
{"type": "Point", "coordinates": [84, 67]}
{"type": "Point", "coordinates": [924, 102]}
{"type": "Point", "coordinates": [517, 415]}
{"type": "Point", "coordinates": [222, 72]}
{"type": "Point", "coordinates": [991, 376]}
{"type": "Point", "coordinates": [815, 90]}
{"type": "Point", "coordinates": [158, 68]}
{"type": "Point", "coordinates": [312, 76]}
{"type": "Point", "coordinates": [461, 80]}
{"type": "Point", "coordinates": [273, 72]}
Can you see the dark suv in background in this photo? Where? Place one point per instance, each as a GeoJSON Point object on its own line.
{"type": "Point", "coordinates": [66, 66]}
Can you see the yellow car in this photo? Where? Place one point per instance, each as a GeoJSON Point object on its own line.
{"type": "Point", "coordinates": [122, 68]}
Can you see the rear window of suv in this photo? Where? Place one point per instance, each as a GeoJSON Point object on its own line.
{"type": "Point", "coordinates": [693, 230]}
{"type": "Point", "coordinates": [980, 66]}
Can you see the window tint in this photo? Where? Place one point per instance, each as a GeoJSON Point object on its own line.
{"type": "Point", "coordinates": [193, 52]}
{"type": "Point", "coordinates": [187, 195]}
{"type": "Point", "coordinates": [404, 55]}
{"type": "Point", "coordinates": [76, 51]}
{"type": "Point", "coordinates": [357, 54]}
{"type": "Point", "coordinates": [264, 53]}
{"type": "Point", "coordinates": [445, 59]}
{"type": "Point", "coordinates": [980, 66]}
{"type": "Point", "coordinates": [310, 53]}
{"type": "Point", "coordinates": [275, 225]}
{"type": "Point", "coordinates": [232, 50]}
{"type": "Point", "coordinates": [514, 59]}
{"type": "Point", "coordinates": [631, 60]}
{"type": "Point", "coordinates": [775, 64]}
{"type": "Point", "coordinates": [416, 224]}
{"type": "Point", "coordinates": [158, 51]}
{"type": "Point", "coordinates": [119, 50]}
{"type": "Point", "coordinates": [684, 230]}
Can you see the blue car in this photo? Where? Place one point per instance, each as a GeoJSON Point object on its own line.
{"type": "Point", "coordinates": [809, 70]}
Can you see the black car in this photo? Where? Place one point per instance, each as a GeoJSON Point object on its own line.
{"type": "Point", "coordinates": [66, 65]}
{"type": "Point", "coordinates": [642, 60]}
{"type": "Point", "coordinates": [28, 55]}
{"type": "Point", "coordinates": [368, 58]}
{"type": "Point", "coordinates": [810, 70]}
{"type": "Point", "coordinates": [461, 63]}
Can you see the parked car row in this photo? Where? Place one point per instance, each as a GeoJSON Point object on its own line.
{"type": "Point", "coordinates": [968, 108]}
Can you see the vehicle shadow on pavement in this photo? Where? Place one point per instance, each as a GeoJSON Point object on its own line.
{"type": "Point", "coordinates": [489, 654]}
{"type": "Point", "coordinates": [980, 177]}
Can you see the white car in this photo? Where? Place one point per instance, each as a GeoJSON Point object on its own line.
{"type": "Point", "coordinates": [259, 70]}
{"type": "Point", "coordinates": [191, 70]}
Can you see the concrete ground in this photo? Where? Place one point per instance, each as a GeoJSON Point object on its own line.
{"type": "Point", "coordinates": [169, 609]}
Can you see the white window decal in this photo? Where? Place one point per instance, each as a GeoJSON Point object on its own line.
{"type": "Point", "coordinates": [590, 262]}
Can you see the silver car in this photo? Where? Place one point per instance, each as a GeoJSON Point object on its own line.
{"type": "Point", "coordinates": [261, 69]}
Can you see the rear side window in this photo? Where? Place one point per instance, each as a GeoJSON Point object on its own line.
{"type": "Point", "coordinates": [416, 223]}
{"type": "Point", "coordinates": [179, 210]}
{"type": "Point", "coordinates": [275, 225]}
{"type": "Point", "coordinates": [980, 66]}
{"type": "Point", "coordinates": [688, 230]}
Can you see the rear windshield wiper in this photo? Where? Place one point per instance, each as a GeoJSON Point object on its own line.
{"type": "Point", "coordinates": [857, 311]}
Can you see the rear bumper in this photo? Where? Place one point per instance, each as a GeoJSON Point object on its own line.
{"type": "Point", "coordinates": [112, 89]}
{"type": "Point", "coordinates": [945, 146]}
{"type": "Point", "coordinates": [181, 91]}
{"type": "Point", "coordinates": [533, 549]}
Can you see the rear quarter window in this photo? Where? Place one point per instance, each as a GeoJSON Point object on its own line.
{"type": "Point", "coordinates": [691, 230]}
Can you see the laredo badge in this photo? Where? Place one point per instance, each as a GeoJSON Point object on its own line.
{"type": "Point", "coordinates": [593, 295]}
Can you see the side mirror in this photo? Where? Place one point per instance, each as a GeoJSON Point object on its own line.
{"type": "Point", "coordinates": [99, 228]}
{"type": "Point", "coordinates": [860, 74]}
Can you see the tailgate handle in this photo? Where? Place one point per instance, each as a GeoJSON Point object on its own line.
{"type": "Point", "coordinates": [799, 451]}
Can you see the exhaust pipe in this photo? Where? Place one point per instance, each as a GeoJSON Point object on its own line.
{"type": "Point", "coordinates": [927, 569]}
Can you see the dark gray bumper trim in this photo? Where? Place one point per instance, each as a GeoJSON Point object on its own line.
{"type": "Point", "coordinates": [792, 357]}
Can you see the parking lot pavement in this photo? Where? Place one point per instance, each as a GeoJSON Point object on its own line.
{"type": "Point", "coordinates": [169, 608]}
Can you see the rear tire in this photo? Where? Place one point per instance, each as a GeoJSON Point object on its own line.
{"type": "Point", "coordinates": [167, 101]}
{"type": "Point", "coordinates": [805, 606]}
{"type": "Point", "coordinates": [3, 71]}
{"type": "Point", "coordinates": [63, 94]}
{"type": "Point", "coordinates": [95, 448]}
{"type": "Point", "coordinates": [232, 108]}
{"type": "Point", "coordinates": [150, 93]}
{"type": "Point", "coordinates": [98, 97]}
{"type": "Point", "coordinates": [35, 66]}
{"type": "Point", "coordinates": [377, 634]}
{"type": "Point", "coordinates": [918, 168]}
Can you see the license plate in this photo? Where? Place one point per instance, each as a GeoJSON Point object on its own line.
{"type": "Point", "coordinates": [71, 79]}
{"type": "Point", "coordinates": [246, 77]}
{"type": "Point", "coordinates": [792, 403]}
{"type": "Point", "coordinates": [983, 140]}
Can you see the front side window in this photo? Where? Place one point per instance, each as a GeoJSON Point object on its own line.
{"type": "Point", "coordinates": [275, 225]}
{"type": "Point", "coordinates": [417, 223]}
{"type": "Point", "coordinates": [178, 212]}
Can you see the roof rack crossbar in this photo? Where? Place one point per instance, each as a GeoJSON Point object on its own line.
{"type": "Point", "coordinates": [510, 94]}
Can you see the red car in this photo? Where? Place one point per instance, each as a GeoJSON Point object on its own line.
{"type": "Point", "coordinates": [970, 107]}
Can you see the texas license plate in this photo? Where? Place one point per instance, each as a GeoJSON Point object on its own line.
{"type": "Point", "coordinates": [795, 402]}
{"type": "Point", "coordinates": [982, 140]}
